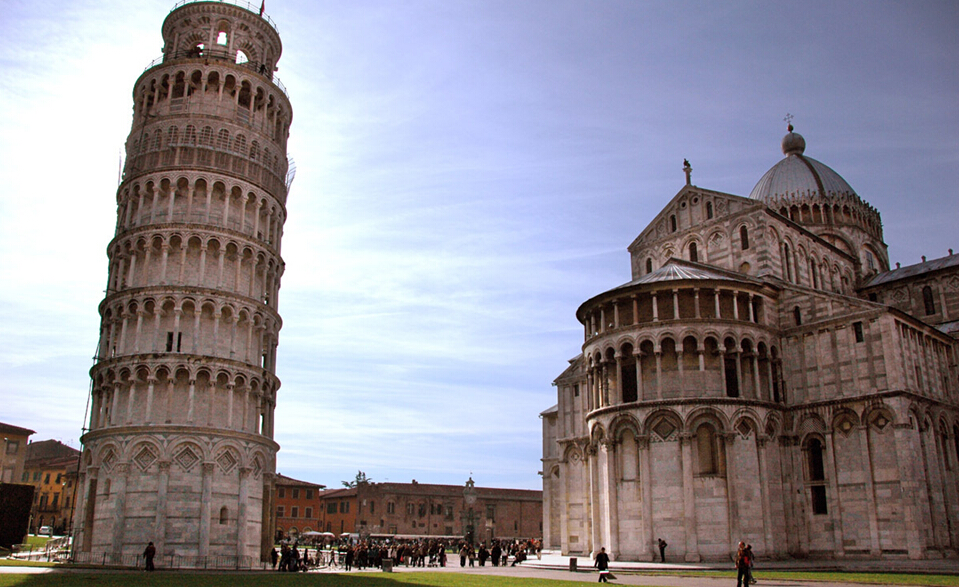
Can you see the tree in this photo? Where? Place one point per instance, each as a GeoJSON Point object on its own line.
{"type": "Point", "coordinates": [361, 479]}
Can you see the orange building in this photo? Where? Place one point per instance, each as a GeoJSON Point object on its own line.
{"type": "Point", "coordinates": [338, 510]}
{"type": "Point", "coordinates": [422, 509]}
{"type": "Point", "coordinates": [297, 507]}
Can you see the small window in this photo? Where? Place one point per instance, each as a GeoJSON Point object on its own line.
{"type": "Point", "coordinates": [797, 316]}
{"type": "Point", "coordinates": [224, 515]}
{"type": "Point", "coordinates": [295, 512]}
{"type": "Point", "coordinates": [309, 494]}
{"type": "Point", "coordinates": [221, 38]}
{"type": "Point", "coordinates": [672, 223]}
{"type": "Point", "coordinates": [296, 493]}
{"type": "Point", "coordinates": [693, 256]}
{"type": "Point", "coordinates": [390, 507]}
{"type": "Point", "coordinates": [576, 390]}
{"type": "Point", "coordinates": [709, 210]}
{"type": "Point", "coordinates": [927, 301]}
{"type": "Point", "coordinates": [13, 446]}
{"type": "Point", "coordinates": [649, 265]}
{"type": "Point", "coordinates": [744, 237]}
{"type": "Point", "coordinates": [372, 507]}
{"type": "Point", "coordinates": [281, 492]}
{"type": "Point", "coordinates": [309, 513]}
{"type": "Point", "coordinates": [857, 329]}
{"type": "Point", "coordinates": [280, 511]}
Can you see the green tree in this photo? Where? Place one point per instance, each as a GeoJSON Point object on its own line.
{"type": "Point", "coordinates": [361, 479]}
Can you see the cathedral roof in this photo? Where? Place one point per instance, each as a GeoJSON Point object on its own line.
{"type": "Point", "coordinates": [951, 260]}
{"type": "Point", "coordinates": [799, 176]}
{"type": "Point", "coordinates": [673, 271]}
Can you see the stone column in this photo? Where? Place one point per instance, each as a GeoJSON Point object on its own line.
{"type": "Point", "coordinates": [148, 415]}
{"type": "Point", "coordinates": [689, 500]}
{"type": "Point", "coordinates": [728, 444]}
{"type": "Point", "coordinates": [119, 506]}
{"type": "Point", "coordinates": [696, 303]}
{"type": "Point", "coordinates": [655, 307]}
{"type": "Point", "coordinates": [130, 397]}
{"type": "Point", "coordinates": [241, 513]}
{"type": "Point", "coordinates": [761, 444]}
{"type": "Point", "coordinates": [875, 549]}
{"type": "Point", "coordinates": [659, 372]}
{"type": "Point", "coordinates": [646, 499]}
{"type": "Point", "coordinates": [594, 492]}
{"type": "Point", "coordinates": [191, 402]}
{"type": "Point", "coordinates": [159, 526]}
{"type": "Point", "coordinates": [833, 499]}
{"type": "Point", "coordinates": [611, 504]}
{"type": "Point", "coordinates": [206, 498]}
{"type": "Point", "coordinates": [639, 375]}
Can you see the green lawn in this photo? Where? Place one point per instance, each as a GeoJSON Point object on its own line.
{"type": "Point", "coordinates": [142, 579]}
{"type": "Point", "coordinates": [821, 576]}
{"type": "Point", "coordinates": [37, 541]}
{"type": "Point", "coordinates": [427, 579]}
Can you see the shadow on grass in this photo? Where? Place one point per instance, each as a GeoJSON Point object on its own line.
{"type": "Point", "coordinates": [90, 578]}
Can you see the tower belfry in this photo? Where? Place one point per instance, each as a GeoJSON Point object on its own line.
{"type": "Point", "coordinates": [180, 447]}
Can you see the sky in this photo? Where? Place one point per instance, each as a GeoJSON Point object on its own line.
{"type": "Point", "coordinates": [468, 173]}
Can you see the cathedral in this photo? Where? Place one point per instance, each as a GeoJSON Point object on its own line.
{"type": "Point", "coordinates": [764, 376]}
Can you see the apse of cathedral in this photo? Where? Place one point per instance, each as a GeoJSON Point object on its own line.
{"type": "Point", "coordinates": [763, 377]}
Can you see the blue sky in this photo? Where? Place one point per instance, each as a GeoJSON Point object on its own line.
{"type": "Point", "coordinates": [469, 172]}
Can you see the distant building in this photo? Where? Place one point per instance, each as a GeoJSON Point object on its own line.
{"type": "Point", "coordinates": [416, 510]}
{"type": "Point", "coordinates": [51, 467]}
{"type": "Point", "coordinates": [14, 452]}
{"type": "Point", "coordinates": [763, 377]}
{"type": "Point", "coordinates": [297, 506]}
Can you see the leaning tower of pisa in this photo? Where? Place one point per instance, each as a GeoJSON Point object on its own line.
{"type": "Point", "coordinates": [180, 449]}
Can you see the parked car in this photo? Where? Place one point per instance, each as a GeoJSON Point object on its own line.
{"type": "Point", "coordinates": [45, 531]}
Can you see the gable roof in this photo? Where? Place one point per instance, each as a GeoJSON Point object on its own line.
{"type": "Point", "coordinates": [914, 270]}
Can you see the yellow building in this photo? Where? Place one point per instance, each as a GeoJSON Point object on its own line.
{"type": "Point", "coordinates": [51, 467]}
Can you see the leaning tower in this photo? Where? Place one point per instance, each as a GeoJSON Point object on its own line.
{"type": "Point", "coordinates": [180, 449]}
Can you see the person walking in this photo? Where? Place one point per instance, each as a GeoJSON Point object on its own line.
{"type": "Point", "coordinates": [742, 566]}
{"type": "Point", "coordinates": [752, 560]}
{"type": "Point", "coordinates": [602, 563]}
{"type": "Point", "coordinates": [148, 554]}
{"type": "Point", "coordinates": [662, 550]}
{"type": "Point", "coordinates": [274, 557]}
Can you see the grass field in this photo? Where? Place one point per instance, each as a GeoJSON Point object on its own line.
{"type": "Point", "coordinates": [277, 580]}
{"type": "Point", "coordinates": [161, 579]}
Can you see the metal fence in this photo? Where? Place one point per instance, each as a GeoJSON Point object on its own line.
{"type": "Point", "coordinates": [170, 561]}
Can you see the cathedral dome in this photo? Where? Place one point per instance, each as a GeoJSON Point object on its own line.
{"type": "Point", "coordinates": [798, 176]}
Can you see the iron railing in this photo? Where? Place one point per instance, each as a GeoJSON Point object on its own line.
{"type": "Point", "coordinates": [170, 561]}
{"type": "Point", "coordinates": [220, 55]}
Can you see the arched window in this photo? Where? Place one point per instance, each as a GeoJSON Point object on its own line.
{"type": "Point", "coordinates": [649, 265]}
{"type": "Point", "coordinates": [797, 316]}
{"type": "Point", "coordinates": [816, 476]}
{"type": "Point", "coordinates": [709, 210]}
{"type": "Point", "coordinates": [927, 301]}
{"type": "Point", "coordinates": [787, 269]}
{"type": "Point", "coordinates": [672, 223]}
{"type": "Point", "coordinates": [693, 256]}
{"type": "Point", "coordinates": [743, 237]}
{"type": "Point", "coordinates": [224, 515]}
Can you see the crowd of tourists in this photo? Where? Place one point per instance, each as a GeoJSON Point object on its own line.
{"type": "Point", "coordinates": [425, 552]}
